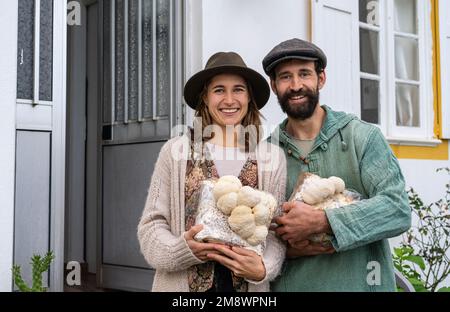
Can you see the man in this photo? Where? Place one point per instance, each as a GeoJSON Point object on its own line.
{"type": "Point", "coordinates": [319, 140]}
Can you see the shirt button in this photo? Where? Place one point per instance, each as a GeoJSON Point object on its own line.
{"type": "Point", "coordinates": [289, 152]}
{"type": "Point", "coordinates": [324, 146]}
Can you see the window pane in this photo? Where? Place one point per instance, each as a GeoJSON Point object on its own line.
{"type": "Point", "coordinates": [405, 16]}
{"type": "Point", "coordinates": [369, 12]}
{"type": "Point", "coordinates": [133, 60]}
{"type": "Point", "coordinates": [147, 45]}
{"type": "Point", "coordinates": [370, 108]}
{"type": "Point", "coordinates": [120, 61]}
{"type": "Point", "coordinates": [407, 105]}
{"type": "Point", "coordinates": [407, 58]}
{"type": "Point", "coordinates": [369, 54]}
{"type": "Point", "coordinates": [46, 51]}
{"type": "Point", "coordinates": [163, 57]}
{"type": "Point", "coordinates": [25, 52]}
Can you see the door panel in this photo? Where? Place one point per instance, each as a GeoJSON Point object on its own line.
{"type": "Point", "coordinates": [32, 212]}
{"type": "Point", "coordinates": [126, 179]}
{"type": "Point", "coordinates": [141, 88]}
{"type": "Point", "coordinates": [341, 47]}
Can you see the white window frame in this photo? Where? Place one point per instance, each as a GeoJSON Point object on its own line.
{"type": "Point", "coordinates": [444, 35]}
{"type": "Point", "coordinates": [423, 135]}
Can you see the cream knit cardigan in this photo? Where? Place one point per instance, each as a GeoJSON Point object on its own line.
{"type": "Point", "coordinates": [162, 225]}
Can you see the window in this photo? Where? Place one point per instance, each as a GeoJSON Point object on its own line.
{"type": "Point", "coordinates": [35, 52]}
{"type": "Point", "coordinates": [395, 67]}
{"type": "Point", "coordinates": [142, 62]}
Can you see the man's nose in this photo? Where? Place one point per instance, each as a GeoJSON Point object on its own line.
{"type": "Point", "coordinates": [296, 84]}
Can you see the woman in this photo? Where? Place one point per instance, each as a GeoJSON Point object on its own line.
{"type": "Point", "coordinates": [225, 95]}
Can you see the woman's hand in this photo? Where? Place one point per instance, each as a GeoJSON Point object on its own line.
{"type": "Point", "coordinates": [244, 263]}
{"type": "Point", "coordinates": [200, 250]}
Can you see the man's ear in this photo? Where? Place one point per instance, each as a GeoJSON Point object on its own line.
{"type": "Point", "coordinates": [273, 86]}
{"type": "Point", "coordinates": [322, 79]}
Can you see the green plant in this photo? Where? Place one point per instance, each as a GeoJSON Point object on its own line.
{"type": "Point", "coordinates": [423, 255]}
{"type": "Point", "coordinates": [39, 266]}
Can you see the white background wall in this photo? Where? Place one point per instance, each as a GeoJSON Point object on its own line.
{"type": "Point", "coordinates": [246, 27]}
{"type": "Point", "coordinates": [8, 78]}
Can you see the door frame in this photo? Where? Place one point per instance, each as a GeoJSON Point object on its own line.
{"type": "Point", "coordinates": [58, 150]}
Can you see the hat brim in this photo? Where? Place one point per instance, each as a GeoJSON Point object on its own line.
{"type": "Point", "coordinates": [194, 86]}
{"type": "Point", "coordinates": [274, 64]}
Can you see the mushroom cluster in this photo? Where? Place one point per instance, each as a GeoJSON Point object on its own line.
{"type": "Point", "coordinates": [323, 194]}
{"type": "Point", "coordinates": [249, 211]}
{"type": "Point", "coordinates": [317, 189]}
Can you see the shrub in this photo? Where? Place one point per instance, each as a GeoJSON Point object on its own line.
{"type": "Point", "coordinates": [423, 255]}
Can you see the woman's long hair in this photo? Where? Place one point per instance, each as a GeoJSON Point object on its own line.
{"type": "Point", "coordinates": [251, 135]}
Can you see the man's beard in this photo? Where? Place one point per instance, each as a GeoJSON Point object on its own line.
{"type": "Point", "coordinates": [302, 111]}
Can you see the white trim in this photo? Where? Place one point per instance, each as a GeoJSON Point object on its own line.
{"type": "Point", "coordinates": [45, 103]}
{"type": "Point", "coordinates": [113, 60]}
{"type": "Point", "coordinates": [125, 65]}
{"type": "Point", "coordinates": [193, 55]}
{"type": "Point", "coordinates": [140, 65]}
{"type": "Point", "coordinates": [444, 28]}
{"type": "Point", "coordinates": [34, 117]}
{"type": "Point", "coordinates": [8, 93]}
{"type": "Point", "coordinates": [58, 144]}
{"type": "Point", "coordinates": [413, 142]}
{"type": "Point", "coordinates": [154, 63]}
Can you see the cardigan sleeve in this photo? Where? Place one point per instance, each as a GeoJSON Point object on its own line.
{"type": "Point", "coordinates": [274, 183]}
{"type": "Point", "coordinates": [161, 248]}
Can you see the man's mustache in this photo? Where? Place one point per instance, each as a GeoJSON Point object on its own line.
{"type": "Point", "coordinates": [307, 93]}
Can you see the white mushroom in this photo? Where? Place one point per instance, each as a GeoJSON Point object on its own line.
{"type": "Point", "coordinates": [223, 187]}
{"type": "Point", "coordinates": [227, 203]}
{"type": "Point", "coordinates": [242, 221]}
{"type": "Point", "coordinates": [258, 236]}
{"type": "Point", "coordinates": [339, 184]}
{"type": "Point", "coordinates": [262, 214]}
{"type": "Point", "coordinates": [248, 196]}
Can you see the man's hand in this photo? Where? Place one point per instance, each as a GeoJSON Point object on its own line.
{"type": "Point", "coordinates": [307, 248]}
{"type": "Point", "coordinates": [300, 221]}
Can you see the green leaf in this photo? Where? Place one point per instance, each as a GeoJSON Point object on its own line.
{"type": "Point", "coordinates": [415, 281]}
{"type": "Point", "coordinates": [399, 252]}
{"type": "Point", "coordinates": [417, 260]}
{"type": "Point", "coordinates": [444, 289]}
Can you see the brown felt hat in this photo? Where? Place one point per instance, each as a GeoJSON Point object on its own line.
{"type": "Point", "coordinates": [226, 63]}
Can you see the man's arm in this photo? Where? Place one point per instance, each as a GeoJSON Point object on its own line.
{"type": "Point", "coordinates": [386, 213]}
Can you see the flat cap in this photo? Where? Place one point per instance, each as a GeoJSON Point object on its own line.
{"type": "Point", "coordinates": [293, 49]}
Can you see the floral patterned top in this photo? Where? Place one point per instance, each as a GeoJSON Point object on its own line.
{"type": "Point", "coordinates": [201, 277]}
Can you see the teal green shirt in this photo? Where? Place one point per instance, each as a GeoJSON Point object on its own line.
{"type": "Point", "coordinates": [358, 153]}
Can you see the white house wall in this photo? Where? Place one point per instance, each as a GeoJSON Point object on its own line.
{"type": "Point", "coordinates": [8, 78]}
{"type": "Point", "coordinates": [252, 28]}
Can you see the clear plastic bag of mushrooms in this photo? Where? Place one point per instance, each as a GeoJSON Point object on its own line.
{"type": "Point", "coordinates": [323, 193]}
{"type": "Point", "coordinates": [233, 214]}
